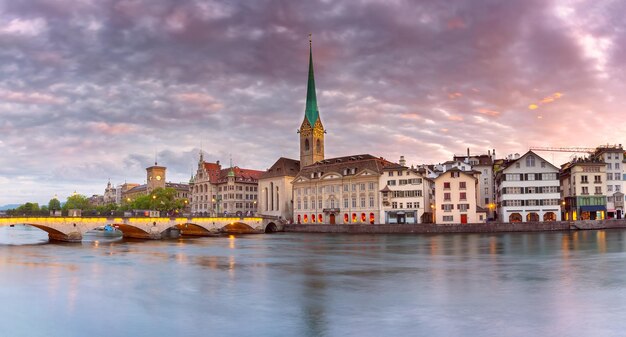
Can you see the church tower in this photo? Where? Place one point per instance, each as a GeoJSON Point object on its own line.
{"type": "Point", "coordinates": [312, 131]}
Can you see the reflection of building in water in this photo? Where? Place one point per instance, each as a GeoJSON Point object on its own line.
{"type": "Point", "coordinates": [583, 189]}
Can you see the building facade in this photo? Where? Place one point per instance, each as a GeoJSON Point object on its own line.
{"type": "Point", "coordinates": [613, 156]}
{"type": "Point", "coordinates": [528, 190]}
{"type": "Point", "coordinates": [223, 191]}
{"type": "Point", "coordinates": [339, 190]}
{"type": "Point", "coordinates": [583, 189]}
{"type": "Point", "coordinates": [455, 198]}
{"type": "Point", "coordinates": [405, 196]}
{"type": "Point", "coordinates": [275, 189]}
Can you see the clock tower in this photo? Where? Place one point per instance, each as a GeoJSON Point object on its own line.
{"type": "Point", "coordinates": [155, 177]}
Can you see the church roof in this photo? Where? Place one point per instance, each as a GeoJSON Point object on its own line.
{"type": "Point", "coordinates": [311, 111]}
{"type": "Point", "coordinates": [282, 167]}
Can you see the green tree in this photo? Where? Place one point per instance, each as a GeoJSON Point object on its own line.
{"type": "Point", "coordinates": [77, 201]}
{"type": "Point", "coordinates": [29, 208]}
{"type": "Point", "coordinates": [54, 204]}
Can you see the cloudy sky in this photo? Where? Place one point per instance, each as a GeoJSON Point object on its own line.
{"type": "Point", "coordinates": [91, 89]}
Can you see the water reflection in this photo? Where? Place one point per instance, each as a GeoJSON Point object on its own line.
{"type": "Point", "coordinates": [515, 284]}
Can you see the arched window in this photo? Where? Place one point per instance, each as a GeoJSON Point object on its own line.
{"type": "Point", "coordinates": [277, 202]}
{"type": "Point", "coordinates": [353, 217]}
{"type": "Point", "coordinates": [298, 218]}
{"type": "Point", "coordinates": [318, 146]}
{"type": "Point", "coordinates": [266, 199]}
{"type": "Point", "coordinates": [530, 161]}
{"type": "Point", "coordinates": [306, 145]}
{"type": "Point", "coordinates": [306, 218]}
{"type": "Point", "coordinates": [346, 218]}
{"type": "Point", "coordinates": [362, 217]}
{"type": "Point", "coordinates": [320, 218]}
{"type": "Point", "coordinates": [372, 218]}
{"type": "Point", "coordinates": [312, 217]}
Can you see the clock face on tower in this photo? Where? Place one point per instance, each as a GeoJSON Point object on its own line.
{"type": "Point", "coordinates": [158, 177]}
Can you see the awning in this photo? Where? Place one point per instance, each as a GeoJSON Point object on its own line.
{"type": "Point", "coordinates": [594, 208]}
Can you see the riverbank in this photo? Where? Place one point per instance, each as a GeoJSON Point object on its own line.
{"type": "Point", "coordinates": [491, 227]}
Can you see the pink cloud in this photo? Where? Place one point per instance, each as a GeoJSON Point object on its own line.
{"type": "Point", "coordinates": [30, 98]}
{"type": "Point", "coordinates": [488, 112]}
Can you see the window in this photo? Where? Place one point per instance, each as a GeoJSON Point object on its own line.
{"type": "Point", "coordinates": [299, 204]}
{"type": "Point", "coordinates": [617, 166]}
{"type": "Point", "coordinates": [609, 176]}
{"type": "Point", "coordinates": [319, 204]}
{"type": "Point", "coordinates": [463, 207]}
{"type": "Point", "coordinates": [394, 205]}
{"type": "Point", "coordinates": [446, 185]}
{"type": "Point", "coordinates": [345, 203]}
{"type": "Point", "coordinates": [609, 166]}
{"type": "Point", "coordinates": [462, 185]}
{"type": "Point", "coordinates": [530, 161]}
{"type": "Point", "coordinates": [463, 196]}
{"type": "Point", "coordinates": [362, 187]}
{"type": "Point", "coordinates": [371, 186]}
{"type": "Point", "coordinates": [353, 202]}
{"type": "Point", "coordinates": [399, 173]}
{"type": "Point", "coordinates": [596, 179]}
{"type": "Point", "coordinates": [402, 182]}
{"type": "Point", "coordinates": [390, 173]}
{"type": "Point", "coordinates": [598, 189]}
{"type": "Point", "coordinates": [448, 218]}
{"type": "Point", "coordinates": [362, 202]}
{"type": "Point", "coordinates": [447, 207]}
{"type": "Point", "coordinates": [585, 190]}
{"type": "Point", "coordinates": [583, 180]}
{"type": "Point", "coordinates": [543, 164]}
{"type": "Point", "coordinates": [609, 188]}
{"type": "Point", "coordinates": [391, 182]}
{"type": "Point", "coordinates": [446, 197]}
{"type": "Point", "coordinates": [401, 206]}
{"type": "Point", "coordinates": [353, 187]}
{"type": "Point", "coordinates": [617, 188]}
{"type": "Point", "coordinates": [371, 201]}
{"type": "Point", "coordinates": [306, 145]}
{"type": "Point", "coordinates": [346, 188]}
{"type": "Point", "coordinates": [517, 165]}
{"type": "Point", "coordinates": [306, 203]}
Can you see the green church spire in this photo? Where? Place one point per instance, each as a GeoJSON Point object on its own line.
{"type": "Point", "coordinates": [311, 112]}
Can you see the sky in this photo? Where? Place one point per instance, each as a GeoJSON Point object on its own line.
{"type": "Point", "coordinates": [93, 90]}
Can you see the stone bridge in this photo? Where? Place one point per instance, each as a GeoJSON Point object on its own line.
{"type": "Point", "coordinates": [71, 229]}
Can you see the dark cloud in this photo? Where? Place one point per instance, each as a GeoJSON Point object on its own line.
{"type": "Point", "coordinates": [90, 90]}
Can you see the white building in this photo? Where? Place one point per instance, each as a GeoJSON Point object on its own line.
{"type": "Point", "coordinates": [528, 190]}
{"type": "Point", "coordinates": [275, 189]}
{"type": "Point", "coordinates": [405, 197]}
{"type": "Point", "coordinates": [483, 163]}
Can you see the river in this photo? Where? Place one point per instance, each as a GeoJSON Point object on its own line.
{"type": "Point", "coordinates": [285, 284]}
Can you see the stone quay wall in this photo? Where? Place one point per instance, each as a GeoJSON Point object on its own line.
{"type": "Point", "coordinates": [490, 227]}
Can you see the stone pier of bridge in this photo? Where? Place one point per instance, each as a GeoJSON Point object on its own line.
{"type": "Point", "coordinates": [71, 229]}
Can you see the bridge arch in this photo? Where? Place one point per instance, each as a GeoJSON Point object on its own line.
{"type": "Point", "coordinates": [193, 229]}
{"type": "Point", "coordinates": [238, 228]}
{"type": "Point", "coordinates": [130, 231]}
{"type": "Point", "coordinates": [271, 228]}
{"type": "Point", "coordinates": [57, 235]}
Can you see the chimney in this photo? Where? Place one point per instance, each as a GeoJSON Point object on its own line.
{"type": "Point", "coordinates": [493, 151]}
{"type": "Point", "coordinates": [402, 161]}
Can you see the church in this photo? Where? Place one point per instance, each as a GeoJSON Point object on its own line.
{"type": "Point", "coordinates": [316, 189]}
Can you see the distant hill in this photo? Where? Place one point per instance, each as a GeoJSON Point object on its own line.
{"type": "Point", "coordinates": [9, 206]}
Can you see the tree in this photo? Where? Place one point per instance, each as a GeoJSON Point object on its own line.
{"type": "Point", "coordinates": [29, 208]}
{"type": "Point", "coordinates": [77, 201]}
{"type": "Point", "coordinates": [54, 204]}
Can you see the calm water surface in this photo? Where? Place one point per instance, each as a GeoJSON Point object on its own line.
{"type": "Point", "coordinates": [525, 284]}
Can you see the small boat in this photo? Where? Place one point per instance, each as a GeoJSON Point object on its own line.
{"type": "Point", "coordinates": [107, 230]}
